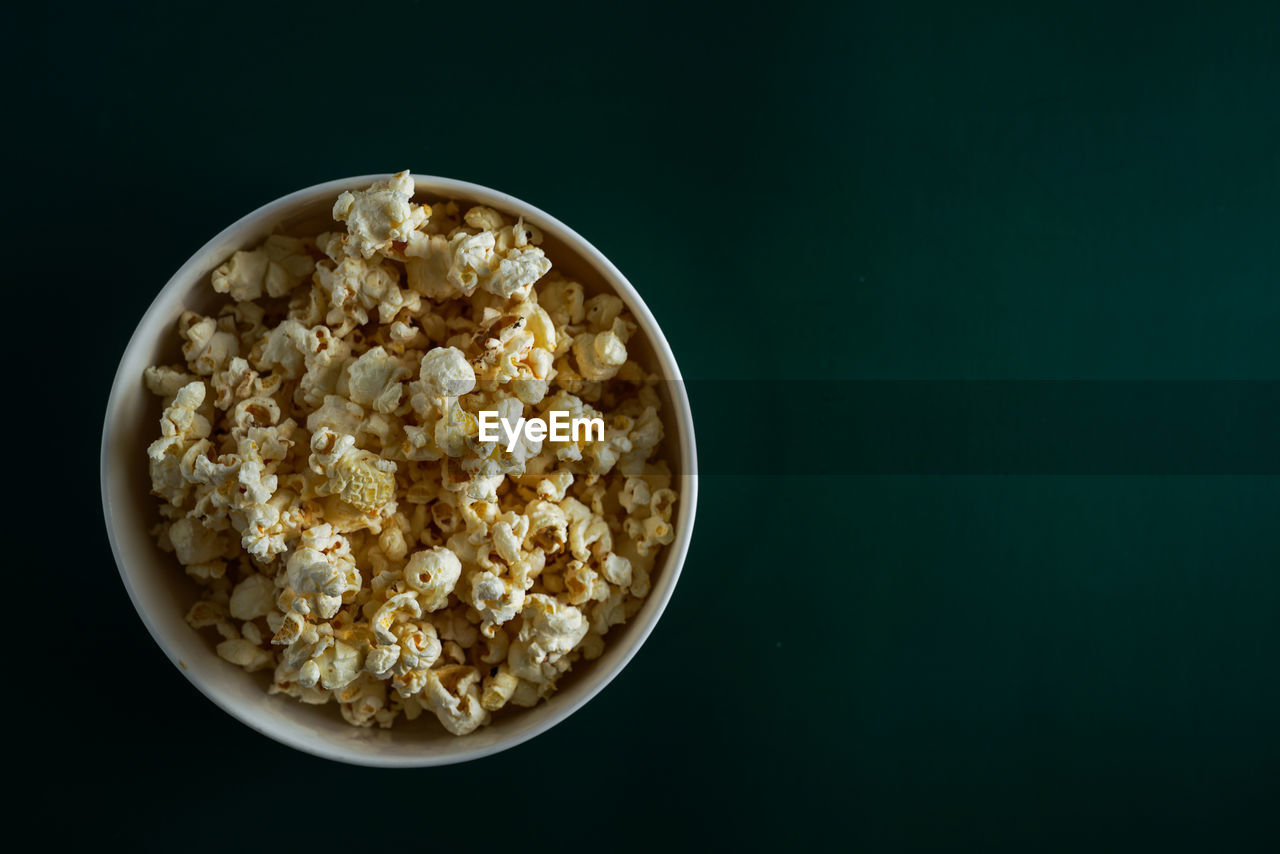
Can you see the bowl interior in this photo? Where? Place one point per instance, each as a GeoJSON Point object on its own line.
{"type": "Point", "coordinates": [162, 592]}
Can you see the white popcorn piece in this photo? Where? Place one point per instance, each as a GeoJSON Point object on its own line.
{"type": "Point", "coordinates": [275, 268]}
{"type": "Point", "coordinates": [563, 300]}
{"type": "Point", "coordinates": [356, 286]}
{"type": "Point", "coordinates": [250, 632]}
{"type": "Point", "coordinates": [252, 598]}
{"type": "Point", "coordinates": [361, 701]}
{"type": "Point", "coordinates": [588, 531]}
{"type": "Point", "coordinates": [445, 373]}
{"type": "Point", "coordinates": [498, 688]}
{"type": "Point", "coordinates": [164, 381]}
{"type": "Point", "coordinates": [494, 647]}
{"type": "Point", "coordinates": [206, 613]}
{"type": "Point", "coordinates": [453, 695]}
{"type": "Point", "coordinates": [194, 543]}
{"type": "Point", "coordinates": [635, 494]}
{"type": "Point", "coordinates": [617, 570]}
{"type": "Point", "coordinates": [391, 610]}
{"type": "Point", "coordinates": [374, 380]}
{"type": "Point", "coordinates": [550, 628]}
{"type": "Point", "coordinates": [291, 625]}
{"type": "Point", "coordinates": [238, 382]}
{"type": "Point", "coordinates": [338, 666]}
{"type": "Point", "coordinates": [381, 659]}
{"type": "Point", "coordinates": [244, 654]}
{"type": "Point", "coordinates": [555, 486]}
{"type": "Point", "coordinates": [362, 479]}
{"type": "Point", "coordinates": [548, 526]}
{"type": "Point", "coordinates": [497, 600]}
{"type": "Point", "coordinates": [592, 646]}
{"type": "Point", "coordinates": [207, 348]}
{"type": "Point", "coordinates": [610, 612]}
{"type": "Point", "coordinates": [470, 257]}
{"type": "Point", "coordinates": [453, 430]}
{"type": "Point", "coordinates": [339, 415]}
{"type": "Point", "coordinates": [380, 215]}
{"type": "Point", "coordinates": [283, 350]}
{"type": "Point", "coordinates": [491, 260]}
{"type": "Point", "coordinates": [420, 648]}
{"type": "Point", "coordinates": [427, 269]}
{"type": "Point", "coordinates": [285, 680]}
{"type": "Point", "coordinates": [181, 429]}
{"type": "Point", "coordinates": [321, 571]}
{"type": "Point", "coordinates": [583, 584]}
{"type": "Point", "coordinates": [599, 356]}
{"type": "Point", "coordinates": [433, 574]}
{"type": "Point", "coordinates": [484, 218]}
{"type": "Point", "coordinates": [517, 272]}
{"type": "Point", "coordinates": [529, 694]}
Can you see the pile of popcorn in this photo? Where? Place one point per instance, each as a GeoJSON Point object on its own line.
{"type": "Point", "coordinates": [322, 479]}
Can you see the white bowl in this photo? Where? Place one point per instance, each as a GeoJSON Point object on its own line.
{"type": "Point", "coordinates": [162, 593]}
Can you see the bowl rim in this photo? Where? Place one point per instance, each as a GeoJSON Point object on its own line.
{"type": "Point", "coordinates": [253, 225]}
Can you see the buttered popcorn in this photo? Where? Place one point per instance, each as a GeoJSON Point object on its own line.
{"type": "Point", "coordinates": [322, 477]}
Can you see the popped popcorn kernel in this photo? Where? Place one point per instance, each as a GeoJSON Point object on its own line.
{"type": "Point", "coordinates": [380, 215]}
{"type": "Point", "coordinates": [275, 268]}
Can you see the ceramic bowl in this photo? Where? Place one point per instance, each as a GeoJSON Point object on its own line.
{"type": "Point", "coordinates": [162, 593]}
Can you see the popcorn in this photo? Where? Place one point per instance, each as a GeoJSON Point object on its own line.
{"type": "Point", "coordinates": [635, 494]}
{"type": "Point", "coordinates": [599, 356]}
{"type": "Point", "coordinates": [498, 688]}
{"type": "Point", "coordinates": [208, 346]}
{"type": "Point", "coordinates": [275, 268]}
{"type": "Point", "coordinates": [470, 256]}
{"type": "Point", "coordinates": [379, 215]}
{"type": "Point", "coordinates": [336, 667]}
{"type": "Point", "coordinates": [206, 613]}
{"type": "Point", "coordinates": [583, 584]}
{"type": "Point", "coordinates": [353, 288]}
{"type": "Point", "coordinates": [164, 381]}
{"type": "Point", "coordinates": [548, 526]}
{"type": "Point", "coordinates": [194, 543]}
{"type": "Point", "coordinates": [321, 572]}
{"type": "Point", "coordinates": [617, 570]}
{"type": "Point", "coordinates": [483, 218]}
{"type": "Point", "coordinates": [381, 659]}
{"type": "Point", "coordinates": [452, 693]}
{"type": "Point", "coordinates": [338, 414]}
{"type": "Point", "coordinates": [495, 257]}
{"type": "Point", "coordinates": [238, 383]}
{"type": "Point", "coordinates": [181, 429]}
{"type": "Point", "coordinates": [252, 598]}
{"type": "Point", "coordinates": [550, 628]}
{"type": "Point", "coordinates": [427, 268]}
{"type": "Point", "coordinates": [609, 613]}
{"type": "Point", "coordinates": [242, 653]}
{"type": "Point", "coordinates": [373, 380]}
{"type": "Point", "coordinates": [362, 700]}
{"type": "Point", "coordinates": [444, 373]}
{"type": "Point", "coordinates": [517, 272]}
{"type": "Point", "coordinates": [390, 611]}
{"type": "Point", "coordinates": [496, 599]}
{"type": "Point", "coordinates": [417, 650]}
{"type": "Point", "coordinates": [283, 350]}
{"type": "Point", "coordinates": [360, 478]}
{"type": "Point", "coordinates": [433, 574]}
{"type": "Point", "coordinates": [322, 479]}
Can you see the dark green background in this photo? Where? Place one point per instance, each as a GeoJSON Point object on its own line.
{"type": "Point", "coordinates": [892, 191]}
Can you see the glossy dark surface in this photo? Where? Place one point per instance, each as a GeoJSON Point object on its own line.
{"type": "Point", "coordinates": [890, 661]}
